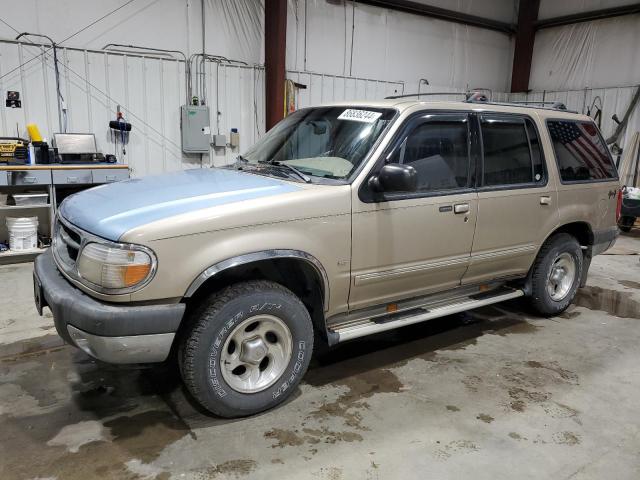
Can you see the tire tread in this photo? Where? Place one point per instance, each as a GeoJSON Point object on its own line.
{"type": "Point", "coordinates": [200, 319]}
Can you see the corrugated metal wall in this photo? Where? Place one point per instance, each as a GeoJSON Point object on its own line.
{"type": "Point", "coordinates": [149, 90]}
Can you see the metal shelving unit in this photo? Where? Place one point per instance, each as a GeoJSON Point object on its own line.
{"type": "Point", "coordinates": [55, 180]}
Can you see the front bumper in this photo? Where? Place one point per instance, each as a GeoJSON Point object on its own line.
{"type": "Point", "coordinates": [113, 333]}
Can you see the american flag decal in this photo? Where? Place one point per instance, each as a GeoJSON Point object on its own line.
{"type": "Point", "coordinates": [581, 139]}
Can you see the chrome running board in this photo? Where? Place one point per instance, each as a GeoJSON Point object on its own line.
{"type": "Point", "coordinates": [428, 311]}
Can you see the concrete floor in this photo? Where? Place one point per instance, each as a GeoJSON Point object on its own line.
{"type": "Point", "coordinates": [508, 395]}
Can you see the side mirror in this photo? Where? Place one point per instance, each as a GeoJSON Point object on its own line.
{"type": "Point", "coordinates": [395, 178]}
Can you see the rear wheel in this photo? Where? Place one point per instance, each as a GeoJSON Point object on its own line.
{"type": "Point", "coordinates": [556, 274]}
{"type": "Point", "coordinates": [247, 349]}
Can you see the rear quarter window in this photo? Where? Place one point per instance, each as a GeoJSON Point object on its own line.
{"type": "Point", "coordinates": [580, 151]}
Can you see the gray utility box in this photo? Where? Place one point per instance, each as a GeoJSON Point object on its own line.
{"type": "Point", "coordinates": [194, 125]}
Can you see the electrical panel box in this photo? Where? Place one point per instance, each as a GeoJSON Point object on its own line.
{"type": "Point", "coordinates": [219, 141]}
{"type": "Point", "coordinates": [195, 128]}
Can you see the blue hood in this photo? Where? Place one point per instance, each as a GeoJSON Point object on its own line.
{"type": "Point", "coordinates": [111, 210]}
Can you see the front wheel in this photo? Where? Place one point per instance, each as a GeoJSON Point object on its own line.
{"type": "Point", "coordinates": [556, 274]}
{"type": "Point", "coordinates": [247, 349]}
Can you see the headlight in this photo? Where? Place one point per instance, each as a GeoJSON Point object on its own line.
{"type": "Point", "coordinates": [115, 269]}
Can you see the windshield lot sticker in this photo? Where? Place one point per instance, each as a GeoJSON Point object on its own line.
{"type": "Point", "coordinates": [363, 116]}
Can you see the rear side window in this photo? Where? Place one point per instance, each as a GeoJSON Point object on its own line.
{"type": "Point", "coordinates": [511, 151]}
{"type": "Point", "coordinates": [580, 151]}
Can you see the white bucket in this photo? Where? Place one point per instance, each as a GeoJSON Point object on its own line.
{"type": "Point", "coordinates": [23, 233]}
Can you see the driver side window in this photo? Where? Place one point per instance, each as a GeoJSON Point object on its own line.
{"type": "Point", "coordinates": [438, 149]}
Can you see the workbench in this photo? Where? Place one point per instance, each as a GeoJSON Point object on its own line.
{"type": "Point", "coordinates": [58, 181]}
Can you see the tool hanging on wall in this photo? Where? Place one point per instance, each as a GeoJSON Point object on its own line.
{"type": "Point", "coordinates": [291, 90]}
{"type": "Point", "coordinates": [120, 130]}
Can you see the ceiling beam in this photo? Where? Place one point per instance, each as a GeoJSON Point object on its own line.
{"type": "Point", "coordinates": [416, 8]}
{"type": "Point", "coordinates": [588, 16]}
{"type": "Point", "coordinates": [523, 51]}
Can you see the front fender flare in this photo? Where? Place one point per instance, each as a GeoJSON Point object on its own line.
{"type": "Point", "coordinates": [258, 256]}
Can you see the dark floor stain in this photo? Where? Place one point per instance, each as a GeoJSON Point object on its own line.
{"type": "Point", "coordinates": [570, 314]}
{"type": "Point", "coordinates": [515, 436]}
{"type": "Point", "coordinates": [311, 436]}
{"type": "Point", "coordinates": [32, 347]}
{"type": "Point", "coordinates": [485, 418]}
{"type": "Point", "coordinates": [144, 435]}
{"type": "Point", "coordinates": [563, 373]}
{"type": "Point", "coordinates": [456, 447]}
{"type": "Point", "coordinates": [630, 284]}
{"type": "Point", "coordinates": [139, 437]}
{"type": "Point", "coordinates": [472, 382]}
{"type": "Point", "coordinates": [70, 388]}
{"type": "Point", "coordinates": [284, 438]}
{"type": "Point", "coordinates": [360, 387]}
{"type": "Point", "coordinates": [521, 397]}
{"type": "Point", "coordinates": [615, 303]}
{"type": "Point", "coordinates": [566, 438]}
{"type": "Point", "coordinates": [237, 468]}
{"type": "Point", "coordinates": [277, 460]}
{"type": "Point", "coordinates": [560, 410]}
{"type": "Point", "coordinates": [453, 408]}
{"type": "Point", "coordinates": [328, 436]}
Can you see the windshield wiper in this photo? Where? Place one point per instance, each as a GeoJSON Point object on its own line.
{"type": "Point", "coordinates": [303, 176]}
{"type": "Point", "coordinates": [299, 174]}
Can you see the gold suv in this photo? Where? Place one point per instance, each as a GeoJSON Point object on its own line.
{"type": "Point", "coordinates": [342, 221]}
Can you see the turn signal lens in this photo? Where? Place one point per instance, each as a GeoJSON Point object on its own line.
{"type": "Point", "coordinates": [135, 274]}
{"type": "Point", "coordinates": [114, 268]}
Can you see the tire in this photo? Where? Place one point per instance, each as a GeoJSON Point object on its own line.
{"type": "Point", "coordinates": [246, 324]}
{"type": "Point", "coordinates": [551, 290]}
{"type": "Point", "coordinates": [626, 223]}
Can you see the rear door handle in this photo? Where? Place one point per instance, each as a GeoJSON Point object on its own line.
{"type": "Point", "coordinates": [461, 208]}
{"type": "Point", "coordinates": [545, 200]}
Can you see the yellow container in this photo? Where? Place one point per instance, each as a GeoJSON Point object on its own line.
{"type": "Point", "coordinates": [34, 133]}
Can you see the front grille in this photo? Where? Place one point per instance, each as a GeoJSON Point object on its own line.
{"type": "Point", "coordinates": [66, 244]}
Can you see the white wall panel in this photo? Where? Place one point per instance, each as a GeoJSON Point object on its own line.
{"type": "Point", "coordinates": [323, 88]}
{"type": "Point", "coordinates": [397, 46]}
{"type": "Point", "coordinates": [594, 54]}
{"type": "Point", "coordinates": [234, 28]}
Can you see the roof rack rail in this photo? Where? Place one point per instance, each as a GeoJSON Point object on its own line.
{"type": "Point", "coordinates": [554, 105]}
{"type": "Point", "coordinates": [532, 104]}
{"type": "Point", "coordinates": [477, 96]}
{"type": "Point", "coordinates": [407, 95]}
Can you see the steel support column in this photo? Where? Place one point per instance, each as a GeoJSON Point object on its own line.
{"type": "Point", "coordinates": [523, 52]}
{"type": "Point", "coordinates": [275, 35]}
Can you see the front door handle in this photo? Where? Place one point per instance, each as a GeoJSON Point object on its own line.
{"type": "Point", "coordinates": [461, 208]}
{"type": "Point", "coordinates": [545, 200]}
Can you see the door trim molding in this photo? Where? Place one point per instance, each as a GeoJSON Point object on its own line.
{"type": "Point", "coordinates": [505, 252]}
{"type": "Point", "coordinates": [385, 275]}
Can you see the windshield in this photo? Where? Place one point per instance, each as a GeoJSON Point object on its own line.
{"type": "Point", "coordinates": [327, 142]}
